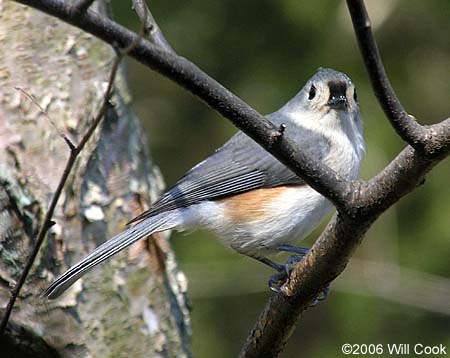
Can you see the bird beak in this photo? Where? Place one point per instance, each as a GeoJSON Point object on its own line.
{"type": "Point", "coordinates": [337, 102]}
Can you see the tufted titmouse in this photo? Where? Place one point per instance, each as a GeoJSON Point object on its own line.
{"type": "Point", "coordinates": [251, 201]}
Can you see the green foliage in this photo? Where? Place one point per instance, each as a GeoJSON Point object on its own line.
{"type": "Point", "coordinates": [264, 51]}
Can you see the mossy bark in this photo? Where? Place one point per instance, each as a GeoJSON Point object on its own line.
{"type": "Point", "coordinates": [133, 305]}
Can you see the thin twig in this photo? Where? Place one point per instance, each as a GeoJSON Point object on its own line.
{"type": "Point", "coordinates": [46, 115]}
{"type": "Point", "coordinates": [48, 223]}
{"type": "Point", "coordinates": [74, 152]}
{"type": "Point", "coordinates": [152, 31]}
{"type": "Point", "coordinates": [404, 124]}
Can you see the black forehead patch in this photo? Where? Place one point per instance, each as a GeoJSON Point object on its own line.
{"type": "Point", "coordinates": [337, 88]}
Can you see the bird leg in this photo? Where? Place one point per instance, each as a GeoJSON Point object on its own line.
{"type": "Point", "coordinates": [276, 266]}
{"type": "Point", "coordinates": [277, 280]}
{"type": "Point", "coordinates": [296, 250]}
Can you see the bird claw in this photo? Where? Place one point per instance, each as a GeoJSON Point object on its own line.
{"type": "Point", "coordinates": [291, 262]}
{"type": "Point", "coordinates": [321, 296]}
{"type": "Point", "coordinates": [278, 280]}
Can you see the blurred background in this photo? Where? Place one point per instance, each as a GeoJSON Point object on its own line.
{"type": "Point", "coordinates": [396, 289]}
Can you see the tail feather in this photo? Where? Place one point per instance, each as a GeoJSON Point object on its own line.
{"type": "Point", "coordinates": [161, 222]}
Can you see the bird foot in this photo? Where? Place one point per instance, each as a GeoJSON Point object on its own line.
{"type": "Point", "coordinates": [321, 296]}
{"type": "Point", "coordinates": [278, 280]}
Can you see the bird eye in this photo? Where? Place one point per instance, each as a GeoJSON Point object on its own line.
{"type": "Point", "coordinates": [355, 96]}
{"type": "Point", "coordinates": [312, 92]}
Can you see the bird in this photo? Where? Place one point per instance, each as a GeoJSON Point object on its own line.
{"type": "Point", "coordinates": [251, 201]}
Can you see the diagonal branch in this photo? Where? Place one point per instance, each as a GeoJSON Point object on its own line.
{"type": "Point", "coordinates": [404, 124]}
{"type": "Point", "coordinates": [331, 252]}
{"type": "Point", "coordinates": [185, 73]}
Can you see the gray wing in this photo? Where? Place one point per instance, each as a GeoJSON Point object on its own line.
{"type": "Point", "coordinates": [239, 166]}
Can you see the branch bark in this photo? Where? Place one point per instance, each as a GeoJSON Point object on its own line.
{"type": "Point", "coordinates": [151, 28]}
{"type": "Point", "coordinates": [404, 124]}
{"type": "Point", "coordinates": [80, 6]}
{"type": "Point", "coordinates": [331, 252]}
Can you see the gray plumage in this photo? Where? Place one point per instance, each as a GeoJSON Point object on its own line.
{"type": "Point", "coordinates": [237, 167]}
{"type": "Point", "coordinates": [321, 117]}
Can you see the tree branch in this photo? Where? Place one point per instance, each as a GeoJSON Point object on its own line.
{"type": "Point", "coordinates": [80, 6]}
{"type": "Point", "coordinates": [404, 124]}
{"type": "Point", "coordinates": [151, 29]}
{"type": "Point", "coordinates": [331, 252]}
{"type": "Point", "coordinates": [319, 176]}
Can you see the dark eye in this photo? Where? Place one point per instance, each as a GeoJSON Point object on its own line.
{"type": "Point", "coordinates": [355, 96]}
{"type": "Point", "coordinates": [312, 92]}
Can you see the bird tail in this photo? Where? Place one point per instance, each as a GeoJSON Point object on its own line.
{"type": "Point", "coordinates": [161, 222]}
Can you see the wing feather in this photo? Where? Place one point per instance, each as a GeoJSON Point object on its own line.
{"type": "Point", "coordinates": [239, 166]}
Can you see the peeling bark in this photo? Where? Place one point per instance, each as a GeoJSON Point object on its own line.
{"type": "Point", "coordinates": [135, 303]}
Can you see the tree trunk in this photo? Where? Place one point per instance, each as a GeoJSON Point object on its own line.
{"type": "Point", "coordinates": [131, 306]}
